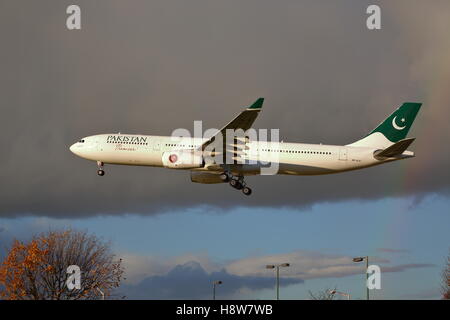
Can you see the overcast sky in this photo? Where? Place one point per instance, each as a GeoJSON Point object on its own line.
{"type": "Point", "coordinates": [153, 66]}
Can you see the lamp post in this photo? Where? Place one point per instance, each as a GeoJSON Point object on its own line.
{"type": "Point", "coordinates": [273, 266]}
{"type": "Point", "coordinates": [215, 283]}
{"type": "Point", "coordinates": [333, 292]}
{"type": "Point", "coordinates": [360, 259]}
{"type": "Point", "coordinates": [101, 292]}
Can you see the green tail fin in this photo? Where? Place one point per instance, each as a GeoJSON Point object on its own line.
{"type": "Point", "coordinates": [257, 104]}
{"type": "Point", "coordinates": [397, 125]}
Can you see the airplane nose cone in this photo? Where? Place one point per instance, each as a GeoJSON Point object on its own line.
{"type": "Point", "coordinates": [72, 148]}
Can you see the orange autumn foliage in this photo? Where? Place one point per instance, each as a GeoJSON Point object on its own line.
{"type": "Point", "coordinates": [21, 265]}
{"type": "Point", "coordinates": [38, 269]}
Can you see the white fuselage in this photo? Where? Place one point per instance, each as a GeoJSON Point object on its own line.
{"type": "Point", "coordinates": [292, 158]}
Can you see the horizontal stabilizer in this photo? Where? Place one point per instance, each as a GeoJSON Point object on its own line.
{"type": "Point", "coordinates": [394, 150]}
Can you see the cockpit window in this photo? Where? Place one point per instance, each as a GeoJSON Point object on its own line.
{"type": "Point", "coordinates": [82, 141]}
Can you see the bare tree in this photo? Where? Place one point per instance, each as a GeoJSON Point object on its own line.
{"type": "Point", "coordinates": [327, 294]}
{"type": "Point", "coordinates": [38, 269]}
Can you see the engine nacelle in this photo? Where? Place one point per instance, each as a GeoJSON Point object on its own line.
{"type": "Point", "coordinates": [184, 159]}
{"type": "Point", "coordinates": [205, 177]}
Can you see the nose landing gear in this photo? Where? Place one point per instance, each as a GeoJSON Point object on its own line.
{"type": "Point", "coordinates": [100, 170]}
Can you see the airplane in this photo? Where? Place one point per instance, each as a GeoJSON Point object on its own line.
{"type": "Point", "coordinates": [386, 143]}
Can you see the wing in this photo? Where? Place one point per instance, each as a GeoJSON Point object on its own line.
{"type": "Point", "coordinates": [242, 121]}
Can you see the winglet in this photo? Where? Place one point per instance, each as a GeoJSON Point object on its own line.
{"type": "Point", "coordinates": [257, 104]}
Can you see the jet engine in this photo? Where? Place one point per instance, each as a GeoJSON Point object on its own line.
{"type": "Point", "coordinates": [184, 159]}
{"type": "Point", "coordinates": [205, 177]}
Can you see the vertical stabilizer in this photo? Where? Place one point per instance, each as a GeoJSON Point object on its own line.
{"type": "Point", "coordinates": [393, 129]}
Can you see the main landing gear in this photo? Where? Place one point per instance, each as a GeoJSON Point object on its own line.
{"type": "Point", "coordinates": [100, 170]}
{"type": "Point", "coordinates": [236, 182]}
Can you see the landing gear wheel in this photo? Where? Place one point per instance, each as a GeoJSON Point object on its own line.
{"type": "Point", "coordinates": [236, 184]}
{"type": "Point", "coordinates": [100, 171]}
{"type": "Point", "coordinates": [224, 177]}
{"type": "Point", "coordinates": [247, 191]}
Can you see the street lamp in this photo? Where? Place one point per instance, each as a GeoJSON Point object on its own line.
{"type": "Point", "coordinates": [101, 292]}
{"type": "Point", "coordinates": [361, 259]}
{"type": "Point", "coordinates": [215, 283]}
{"type": "Point", "coordinates": [273, 266]}
{"type": "Point", "coordinates": [333, 292]}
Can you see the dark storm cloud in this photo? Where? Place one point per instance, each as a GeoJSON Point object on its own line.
{"type": "Point", "coordinates": [151, 67]}
{"type": "Point", "coordinates": [191, 281]}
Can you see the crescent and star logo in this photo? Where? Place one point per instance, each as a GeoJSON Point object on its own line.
{"type": "Point", "coordinates": [397, 127]}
